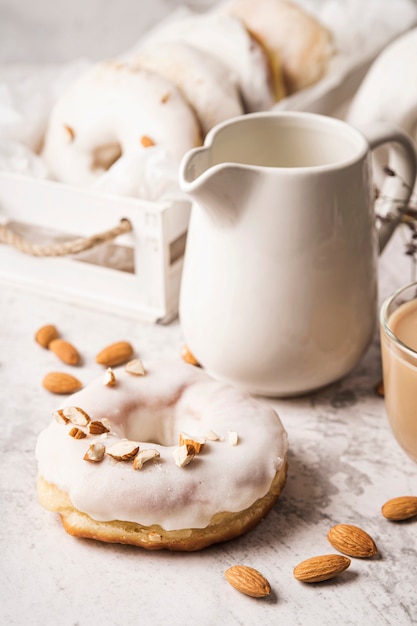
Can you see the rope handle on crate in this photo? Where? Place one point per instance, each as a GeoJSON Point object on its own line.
{"type": "Point", "coordinates": [8, 236]}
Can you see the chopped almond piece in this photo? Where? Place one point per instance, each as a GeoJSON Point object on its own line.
{"type": "Point", "coordinates": [95, 453]}
{"type": "Point", "coordinates": [196, 442]}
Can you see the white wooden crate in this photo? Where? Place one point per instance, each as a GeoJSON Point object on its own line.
{"type": "Point", "coordinates": [156, 243]}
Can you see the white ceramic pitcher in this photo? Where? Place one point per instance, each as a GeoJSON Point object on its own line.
{"type": "Point", "coordinates": [279, 287]}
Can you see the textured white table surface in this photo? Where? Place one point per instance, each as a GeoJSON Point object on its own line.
{"type": "Point", "coordinates": [343, 465]}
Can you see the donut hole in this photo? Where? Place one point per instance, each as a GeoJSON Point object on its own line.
{"type": "Point", "coordinates": [157, 426]}
{"type": "Point", "coordinates": [104, 156]}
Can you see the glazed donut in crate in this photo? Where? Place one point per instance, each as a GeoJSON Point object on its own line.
{"type": "Point", "coordinates": [291, 36]}
{"type": "Point", "coordinates": [225, 38]}
{"type": "Point", "coordinates": [167, 458]}
{"type": "Point", "coordinates": [111, 110]}
{"type": "Point", "coordinates": [203, 80]}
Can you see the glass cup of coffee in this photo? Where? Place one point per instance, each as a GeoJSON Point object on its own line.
{"type": "Point", "coordinates": [398, 327]}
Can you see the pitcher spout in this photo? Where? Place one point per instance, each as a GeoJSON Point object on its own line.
{"type": "Point", "coordinates": [216, 187]}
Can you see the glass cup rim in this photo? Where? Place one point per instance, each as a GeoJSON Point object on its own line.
{"type": "Point", "coordinates": [384, 320]}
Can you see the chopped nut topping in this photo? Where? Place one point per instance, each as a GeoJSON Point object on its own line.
{"type": "Point", "coordinates": [212, 436]}
{"type": "Point", "coordinates": [146, 141]}
{"type": "Point", "coordinates": [196, 442]}
{"type": "Point", "coordinates": [123, 450]}
{"type": "Point", "coordinates": [69, 133]}
{"type": "Point", "coordinates": [106, 423]}
{"type": "Point", "coordinates": [60, 417]}
{"type": "Point", "coordinates": [109, 378]}
{"type": "Point", "coordinates": [73, 414]}
{"type": "Point", "coordinates": [188, 356]}
{"type": "Point", "coordinates": [77, 433]}
{"type": "Point", "coordinates": [183, 455]}
{"type": "Point", "coordinates": [233, 438]}
{"type": "Point", "coordinates": [95, 453]}
{"type": "Point", "coordinates": [144, 456]}
{"type": "Point", "coordinates": [97, 428]}
{"type": "Point", "coordinates": [135, 367]}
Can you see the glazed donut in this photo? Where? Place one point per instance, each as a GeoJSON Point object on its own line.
{"type": "Point", "coordinates": [179, 497]}
{"type": "Point", "coordinates": [112, 110]}
{"type": "Point", "coordinates": [226, 38]}
{"type": "Point", "coordinates": [291, 36]}
{"type": "Point", "coordinates": [202, 79]}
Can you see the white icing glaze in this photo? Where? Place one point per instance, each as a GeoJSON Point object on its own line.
{"type": "Point", "coordinates": [173, 397]}
{"type": "Point", "coordinates": [113, 105]}
{"type": "Point", "coordinates": [226, 39]}
{"type": "Point", "coordinates": [202, 78]}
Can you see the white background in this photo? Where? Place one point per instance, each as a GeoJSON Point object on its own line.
{"type": "Point", "coordinates": [57, 30]}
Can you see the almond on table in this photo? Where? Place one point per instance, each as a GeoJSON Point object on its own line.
{"type": "Point", "coordinates": [399, 509]}
{"type": "Point", "coordinates": [46, 334]}
{"type": "Point", "coordinates": [320, 568]}
{"type": "Point", "coordinates": [61, 383]}
{"type": "Point", "coordinates": [65, 351]}
{"type": "Point", "coordinates": [115, 354]}
{"type": "Point", "coordinates": [352, 540]}
{"type": "Point", "coordinates": [248, 580]}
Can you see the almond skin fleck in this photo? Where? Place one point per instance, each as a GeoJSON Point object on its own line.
{"type": "Point", "coordinates": [188, 356]}
{"type": "Point", "coordinates": [146, 141]}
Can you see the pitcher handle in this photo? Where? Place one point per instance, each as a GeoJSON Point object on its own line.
{"type": "Point", "coordinates": [397, 189]}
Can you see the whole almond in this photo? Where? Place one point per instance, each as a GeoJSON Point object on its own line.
{"type": "Point", "coordinates": [352, 540]}
{"type": "Point", "coordinates": [65, 351]}
{"type": "Point", "coordinates": [46, 334]}
{"type": "Point", "coordinates": [115, 354]}
{"type": "Point", "coordinates": [319, 568]}
{"type": "Point", "coordinates": [61, 383]}
{"type": "Point", "coordinates": [248, 580]}
{"type": "Point", "coordinates": [401, 508]}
